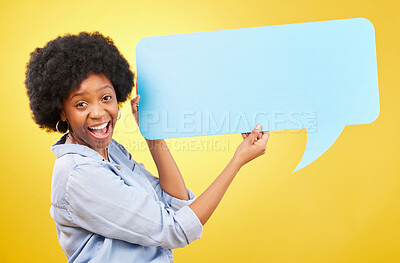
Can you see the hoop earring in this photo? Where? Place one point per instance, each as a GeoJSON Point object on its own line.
{"type": "Point", "coordinates": [119, 114]}
{"type": "Point", "coordinates": [59, 123]}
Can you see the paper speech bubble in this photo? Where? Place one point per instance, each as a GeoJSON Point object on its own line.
{"type": "Point", "coordinates": [320, 76]}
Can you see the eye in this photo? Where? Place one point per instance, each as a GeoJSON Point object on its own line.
{"type": "Point", "coordinates": [107, 97]}
{"type": "Point", "coordinates": [81, 104]}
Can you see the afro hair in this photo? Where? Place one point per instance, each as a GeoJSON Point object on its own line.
{"type": "Point", "coordinates": [61, 66]}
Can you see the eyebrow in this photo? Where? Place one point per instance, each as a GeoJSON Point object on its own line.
{"type": "Point", "coordinates": [83, 93]}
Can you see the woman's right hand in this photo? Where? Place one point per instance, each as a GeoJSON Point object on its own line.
{"type": "Point", "coordinates": [135, 108]}
{"type": "Point", "coordinates": [253, 145]}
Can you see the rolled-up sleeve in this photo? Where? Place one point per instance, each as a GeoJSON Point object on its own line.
{"type": "Point", "coordinates": [169, 200]}
{"type": "Point", "coordinates": [100, 202]}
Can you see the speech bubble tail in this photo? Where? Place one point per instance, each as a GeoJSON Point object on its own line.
{"type": "Point", "coordinates": [318, 143]}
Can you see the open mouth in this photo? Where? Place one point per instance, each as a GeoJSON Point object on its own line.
{"type": "Point", "coordinates": [101, 131]}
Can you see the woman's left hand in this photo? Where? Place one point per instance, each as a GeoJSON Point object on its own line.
{"type": "Point", "coordinates": [135, 108]}
{"type": "Point", "coordinates": [245, 135]}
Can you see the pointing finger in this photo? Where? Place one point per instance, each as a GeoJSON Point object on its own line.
{"type": "Point", "coordinates": [254, 134]}
{"type": "Point", "coordinates": [265, 136]}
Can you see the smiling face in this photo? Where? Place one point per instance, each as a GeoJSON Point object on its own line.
{"type": "Point", "coordinates": [92, 111]}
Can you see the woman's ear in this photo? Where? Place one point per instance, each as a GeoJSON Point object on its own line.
{"type": "Point", "coordinates": [63, 117]}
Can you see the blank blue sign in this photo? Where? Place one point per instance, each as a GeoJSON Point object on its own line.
{"type": "Point", "coordinates": [320, 76]}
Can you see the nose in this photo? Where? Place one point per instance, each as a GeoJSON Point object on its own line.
{"type": "Point", "coordinates": [97, 111]}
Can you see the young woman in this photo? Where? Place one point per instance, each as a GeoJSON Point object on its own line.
{"type": "Point", "coordinates": [106, 206]}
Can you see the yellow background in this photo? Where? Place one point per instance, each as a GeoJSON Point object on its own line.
{"type": "Point", "coordinates": [344, 207]}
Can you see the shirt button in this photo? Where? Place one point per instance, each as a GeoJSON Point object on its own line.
{"type": "Point", "coordinates": [118, 167]}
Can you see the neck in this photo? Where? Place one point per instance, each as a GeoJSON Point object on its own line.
{"type": "Point", "coordinates": [71, 140]}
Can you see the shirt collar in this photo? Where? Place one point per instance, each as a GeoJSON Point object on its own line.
{"type": "Point", "coordinates": [60, 148]}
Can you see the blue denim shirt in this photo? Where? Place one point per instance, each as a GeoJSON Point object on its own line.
{"type": "Point", "coordinates": [115, 211]}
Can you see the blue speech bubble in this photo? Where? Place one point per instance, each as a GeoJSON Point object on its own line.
{"type": "Point", "coordinates": [320, 76]}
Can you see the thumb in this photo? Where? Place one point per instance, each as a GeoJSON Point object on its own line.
{"type": "Point", "coordinates": [134, 103]}
{"type": "Point", "coordinates": [254, 134]}
{"type": "Point", "coordinates": [135, 100]}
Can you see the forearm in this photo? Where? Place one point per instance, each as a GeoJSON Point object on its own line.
{"type": "Point", "coordinates": [208, 201]}
{"type": "Point", "coordinates": [171, 180]}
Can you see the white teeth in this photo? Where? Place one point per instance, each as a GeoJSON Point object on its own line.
{"type": "Point", "coordinates": [99, 127]}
